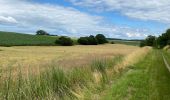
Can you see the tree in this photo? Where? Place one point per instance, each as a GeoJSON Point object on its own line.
{"type": "Point", "coordinates": [92, 40]}
{"type": "Point", "coordinates": [83, 40]}
{"type": "Point", "coordinates": [158, 42]}
{"type": "Point", "coordinates": [150, 40]}
{"type": "Point", "coordinates": [142, 43]}
{"type": "Point", "coordinates": [41, 32]}
{"type": "Point", "coordinates": [101, 39]}
{"type": "Point", "coordinates": [64, 41]}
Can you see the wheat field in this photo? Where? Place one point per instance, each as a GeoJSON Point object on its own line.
{"type": "Point", "coordinates": [39, 57]}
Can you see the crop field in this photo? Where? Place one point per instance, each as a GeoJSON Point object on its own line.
{"type": "Point", "coordinates": [29, 57]}
{"type": "Point", "coordinates": [84, 50]}
{"type": "Point", "coordinates": [127, 42]}
{"type": "Point", "coordinates": [102, 72]}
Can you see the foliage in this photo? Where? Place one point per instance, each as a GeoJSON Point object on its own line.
{"type": "Point", "coordinates": [41, 32]}
{"type": "Point", "coordinates": [83, 40]}
{"type": "Point", "coordinates": [101, 39]}
{"type": "Point", "coordinates": [149, 41]}
{"type": "Point", "coordinates": [112, 42]}
{"type": "Point", "coordinates": [158, 42]}
{"type": "Point", "coordinates": [91, 40]}
{"type": "Point", "coordinates": [64, 41]}
{"type": "Point", "coordinates": [142, 43]}
{"type": "Point", "coordinates": [164, 39]}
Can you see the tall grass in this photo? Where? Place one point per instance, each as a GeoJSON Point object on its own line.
{"type": "Point", "coordinates": [54, 83]}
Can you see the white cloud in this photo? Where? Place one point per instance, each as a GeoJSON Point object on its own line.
{"type": "Point", "coordinates": [31, 16]}
{"type": "Point", "coordinates": [157, 10]}
{"type": "Point", "coordinates": [136, 35]}
{"type": "Point", "coordinates": [7, 20]}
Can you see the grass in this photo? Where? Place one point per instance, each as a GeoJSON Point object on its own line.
{"type": "Point", "coordinates": [17, 39]}
{"type": "Point", "coordinates": [126, 42]}
{"type": "Point", "coordinates": [62, 83]}
{"type": "Point", "coordinates": [146, 80]}
{"type": "Point", "coordinates": [54, 83]}
{"type": "Point", "coordinates": [133, 76]}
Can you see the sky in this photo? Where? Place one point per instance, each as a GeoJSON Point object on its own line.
{"type": "Point", "coordinates": [126, 19]}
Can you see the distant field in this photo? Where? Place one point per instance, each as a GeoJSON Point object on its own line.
{"type": "Point", "coordinates": [127, 42]}
{"type": "Point", "coordinates": [17, 39]}
{"type": "Point", "coordinates": [35, 56]}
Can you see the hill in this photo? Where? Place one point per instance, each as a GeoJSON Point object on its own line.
{"type": "Point", "coordinates": [18, 39]}
{"type": "Point", "coordinates": [134, 42]}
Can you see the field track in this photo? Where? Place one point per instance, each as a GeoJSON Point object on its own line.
{"type": "Point", "coordinates": [166, 62]}
{"type": "Point", "coordinates": [149, 79]}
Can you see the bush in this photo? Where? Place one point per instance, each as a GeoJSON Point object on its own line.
{"type": "Point", "coordinates": [112, 42]}
{"type": "Point", "coordinates": [83, 40]}
{"type": "Point", "coordinates": [91, 40]}
{"type": "Point", "coordinates": [142, 43]}
{"type": "Point", "coordinates": [101, 39]}
{"type": "Point", "coordinates": [41, 32]}
{"type": "Point", "coordinates": [64, 41]}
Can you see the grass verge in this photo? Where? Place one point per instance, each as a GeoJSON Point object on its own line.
{"type": "Point", "coordinates": [146, 80]}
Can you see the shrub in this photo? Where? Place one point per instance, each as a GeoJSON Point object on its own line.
{"type": "Point", "coordinates": [101, 39]}
{"type": "Point", "coordinates": [83, 40]}
{"type": "Point", "coordinates": [64, 41]}
{"type": "Point", "coordinates": [112, 42]}
{"type": "Point", "coordinates": [41, 32]}
{"type": "Point", "coordinates": [142, 43]}
{"type": "Point", "coordinates": [92, 40]}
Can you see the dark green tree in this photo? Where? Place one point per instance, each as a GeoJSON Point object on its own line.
{"type": "Point", "coordinates": [142, 43]}
{"type": "Point", "coordinates": [150, 40]}
{"type": "Point", "coordinates": [41, 32]}
{"type": "Point", "coordinates": [92, 40]}
{"type": "Point", "coordinates": [64, 41]}
{"type": "Point", "coordinates": [101, 39]}
{"type": "Point", "coordinates": [83, 40]}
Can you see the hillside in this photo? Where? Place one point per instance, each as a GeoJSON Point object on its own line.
{"type": "Point", "coordinates": [17, 39]}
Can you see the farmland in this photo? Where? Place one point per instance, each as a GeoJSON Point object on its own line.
{"type": "Point", "coordinates": [38, 56]}
{"type": "Point", "coordinates": [18, 39]}
{"type": "Point", "coordinates": [105, 72]}
{"type": "Point", "coordinates": [120, 72]}
{"type": "Point", "coordinates": [127, 42]}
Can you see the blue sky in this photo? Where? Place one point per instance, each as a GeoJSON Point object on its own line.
{"type": "Point", "coordinates": [130, 19]}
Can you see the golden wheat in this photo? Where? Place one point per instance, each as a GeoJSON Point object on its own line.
{"type": "Point", "coordinates": [132, 58]}
{"type": "Point", "coordinates": [36, 58]}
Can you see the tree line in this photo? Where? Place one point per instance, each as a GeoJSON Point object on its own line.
{"type": "Point", "coordinates": [157, 42]}
{"type": "Point", "coordinates": [67, 41]}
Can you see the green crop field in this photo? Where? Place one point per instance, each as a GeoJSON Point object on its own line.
{"type": "Point", "coordinates": [127, 42]}
{"type": "Point", "coordinates": [17, 39]}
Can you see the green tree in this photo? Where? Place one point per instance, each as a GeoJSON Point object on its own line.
{"type": "Point", "coordinates": [150, 40]}
{"type": "Point", "coordinates": [142, 43]}
{"type": "Point", "coordinates": [83, 40]}
{"type": "Point", "coordinates": [41, 32]}
{"type": "Point", "coordinates": [101, 39]}
{"type": "Point", "coordinates": [92, 40]}
{"type": "Point", "coordinates": [64, 41]}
